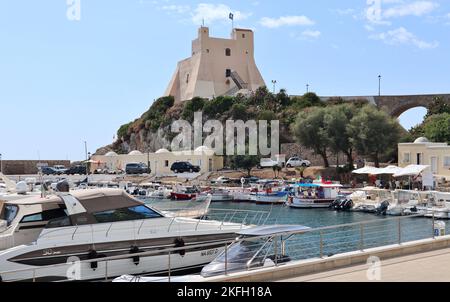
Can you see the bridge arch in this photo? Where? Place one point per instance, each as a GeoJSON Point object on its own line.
{"type": "Point", "coordinates": [397, 105]}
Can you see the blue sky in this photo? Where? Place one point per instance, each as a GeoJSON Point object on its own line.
{"type": "Point", "coordinates": [63, 82]}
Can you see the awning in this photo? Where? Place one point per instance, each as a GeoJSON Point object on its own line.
{"type": "Point", "coordinates": [389, 170]}
{"type": "Point", "coordinates": [367, 170]}
{"type": "Point", "coordinates": [411, 170]}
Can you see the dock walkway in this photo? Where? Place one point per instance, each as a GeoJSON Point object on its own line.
{"type": "Point", "coordinates": [433, 266]}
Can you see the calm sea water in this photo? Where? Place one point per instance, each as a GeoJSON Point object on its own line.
{"type": "Point", "coordinates": [382, 230]}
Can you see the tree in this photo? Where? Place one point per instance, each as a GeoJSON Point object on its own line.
{"type": "Point", "coordinates": [192, 106]}
{"type": "Point", "coordinates": [309, 99]}
{"type": "Point", "coordinates": [310, 131]}
{"type": "Point", "coordinates": [438, 106]}
{"type": "Point", "coordinates": [336, 121]}
{"type": "Point", "coordinates": [276, 171]}
{"type": "Point", "coordinates": [246, 162]}
{"type": "Point", "coordinates": [373, 132]}
{"type": "Point", "coordinates": [437, 127]}
{"type": "Point", "coordinates": [239, 112]}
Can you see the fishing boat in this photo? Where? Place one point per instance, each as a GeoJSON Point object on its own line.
{"type": "Point", "coordinates": [218, 194]}
{"type": "Point", "coordinates": [269, 192]}
{"type": "Point", "coordinates": [313, 195]}
{"type": "Point", "coordinates": [184, 193]}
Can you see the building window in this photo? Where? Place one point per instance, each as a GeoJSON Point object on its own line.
{"type": "Point", "coordinates": [406, 158]}
{"type": "Point", "coordinates": [447, 161]}
{"type": "Point", "coordinates": [228, 73]}
{"type": "Point", "coordinates": [166, 163]}
{"type": "Point", "coordinates": [207, 51]}
{"type": "Point", "coordinates": [243, 36]}
{"type": "Point", "coordinates": [187, 78]}
{"type": "Point", "coordinates": [228, 52]}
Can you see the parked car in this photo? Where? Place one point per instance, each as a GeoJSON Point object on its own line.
{"type": "Point", "coordinates": [137, 168]}
{"type": "Point", "coordinates": [81, 170]}
{"type": "Point", "coordinates": [297, 162]}
{"type": "Point", "coordinates": [49, 171]}
{"type": "Point", "coordinates": [268, 163]}
{"type": "Point", "coordinates": [221, 180]}
{"type": "Point", "coordinates": [184, 166]}
{"type": "Point", "coordinates": [60, 169]}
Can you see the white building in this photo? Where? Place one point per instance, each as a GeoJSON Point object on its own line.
{"type": "Point", "coordinates": [424, 152]}
{"type": "Point", "coordinates": [161, 160]}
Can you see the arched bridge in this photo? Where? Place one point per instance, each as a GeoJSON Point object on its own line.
{"type": "Point", "coordinates": [395, 105]}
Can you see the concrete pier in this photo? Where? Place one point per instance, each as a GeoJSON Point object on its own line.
{"type": "Point", "coordinates": [421, 260]}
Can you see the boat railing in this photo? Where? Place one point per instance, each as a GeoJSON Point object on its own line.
{"type": "Point", "coordinates": [314, 243]}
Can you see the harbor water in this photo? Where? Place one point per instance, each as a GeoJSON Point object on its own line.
{"type": "Point", "coordinates": [365, 230]}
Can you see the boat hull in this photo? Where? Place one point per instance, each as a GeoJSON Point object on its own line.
{"type": "Point", "coordinates": [310, 203]}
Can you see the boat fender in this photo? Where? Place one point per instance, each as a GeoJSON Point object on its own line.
{"type": "Point", "coordinates": [134, 250]}
{"type": "Point", "coordinates": [179, 242]}
{"type": "Point", "coordinates": [94, 255]}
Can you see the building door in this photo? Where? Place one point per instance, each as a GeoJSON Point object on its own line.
{"type": "Point", "coordinates": [210, 165]}
{"type": "Point", "coordinates": [434, 165]}
{"type": "Point", "coordinates": [419, 159]}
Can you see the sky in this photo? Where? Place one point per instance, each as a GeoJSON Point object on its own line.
{"type": "Point", "coordinates": [75, 70]}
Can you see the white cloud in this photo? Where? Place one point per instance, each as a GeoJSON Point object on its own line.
{"type": "Point", "coordinates": [402, 36]}
{"type": "Point", "coordinates": [311, 34]}
{"type": "Point", "coordinates": [417, 8]}
{"type": "Point", "coordinates": [179, 9]}
{"type": "Point", "coordinates": [286, 21]}
{"type": "Point", "coordinates": [378, 12]}
{"type": "Point", "coordinates": [211, 13]}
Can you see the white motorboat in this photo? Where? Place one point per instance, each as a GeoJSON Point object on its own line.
{"type": "Point", "coordinates": [370, 199]}
{"type": "Point", "coordinates": [160, 192]}
{"type": "Point", "coordinates": [254, 249]}
{"type": "Point", "coordinates": [93, 224]}
{"type": "Point", "coordinates": [314, 195]}
{"type": "Point", "coordinates": [218, 194]}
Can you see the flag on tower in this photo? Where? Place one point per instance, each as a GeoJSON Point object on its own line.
{"type": "Point", "coordinates": [231, 16]}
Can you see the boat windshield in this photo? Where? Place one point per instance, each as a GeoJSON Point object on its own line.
{"type": "Point", "coordinates": [238, 256]}
{"type": "Point", "coordinates": [242, 252]}
{"type": "Point", "coordinates": [9, 213]}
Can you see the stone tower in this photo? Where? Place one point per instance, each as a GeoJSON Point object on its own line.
{"type": "Point", "coordinates": [217, 67]}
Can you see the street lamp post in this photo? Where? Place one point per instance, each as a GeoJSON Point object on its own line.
{"type": "Point", "coordinates": [379, 85]}
{"type": "Point", "coordinates": [274, 82]}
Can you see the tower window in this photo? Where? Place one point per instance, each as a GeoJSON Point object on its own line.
{"type": "Point", "coordinates": [228, 52]}
{"type": "Point", "coordinates": [243, 36]}
{"type": "Point", "coordinates": [187, 78]}
{"type": "Point", "coordinates": [228, 73]}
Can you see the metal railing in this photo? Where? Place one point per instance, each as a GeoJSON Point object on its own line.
{"type": "Point", "coordinates": [307, 244]}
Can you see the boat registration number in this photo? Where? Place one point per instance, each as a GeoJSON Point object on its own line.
{"type": "Point", "coordinates": [209, 252]}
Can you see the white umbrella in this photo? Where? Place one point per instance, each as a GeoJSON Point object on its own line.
{"type": "Point", "coordinates": [389, 170]}
{"type": "Point", "coordinates": [366, 170]}
{"type": "Point", "coordinates": [411, 170]}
